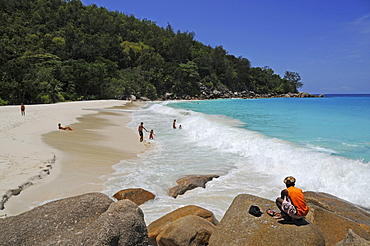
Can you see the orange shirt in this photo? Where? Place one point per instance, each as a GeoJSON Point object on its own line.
{"type": "Point", "coordinates": [297, 198]}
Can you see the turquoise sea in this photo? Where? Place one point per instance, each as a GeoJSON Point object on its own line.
{"type": "Point", "coordinates": [253, 144]}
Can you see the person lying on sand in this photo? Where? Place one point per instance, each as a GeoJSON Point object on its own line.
{"type": "Point", "coordinates": [64, 128]}
{"type": "Point", "coordinates": [291, 202]}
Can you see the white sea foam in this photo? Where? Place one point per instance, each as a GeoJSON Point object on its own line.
{"type": "Point", "coordinates": [321, 149]}
{"type": "Point", "coordinates": [246, 161]}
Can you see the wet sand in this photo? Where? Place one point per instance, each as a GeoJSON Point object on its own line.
{"type": "Point", "coordinates": [71, 162]}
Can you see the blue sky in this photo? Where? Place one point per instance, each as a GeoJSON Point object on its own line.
{"type": "Point", "coordinates": [326, 41]}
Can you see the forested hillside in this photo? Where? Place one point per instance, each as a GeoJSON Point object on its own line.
{"type": "Point", "coordinates": [56, 50]}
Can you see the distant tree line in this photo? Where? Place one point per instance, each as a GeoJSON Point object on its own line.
{"type": "Point", "coordinates": [56, 50]}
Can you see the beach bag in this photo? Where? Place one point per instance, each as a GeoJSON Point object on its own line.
{"type": "Point", "coordinates": [255, 211]}
{"type": "Point", "coordinates": [288, 207]}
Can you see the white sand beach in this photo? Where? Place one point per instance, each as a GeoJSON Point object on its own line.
{"type": "Point", "coordinates": [44, 163]}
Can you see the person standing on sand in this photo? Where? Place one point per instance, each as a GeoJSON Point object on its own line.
{"type": "Point", "coordinates": [140, 129]}
{"type": "Point", "coordinates": [151, 134]}
{"type": "Point", "coordinates": [291, 203]}
{"type": "Point", "coordinates": [64, 128]}
{"type": "Point", "coordinates": [23, 110]}
{"type": "Point", "coordinates": [174, 124]}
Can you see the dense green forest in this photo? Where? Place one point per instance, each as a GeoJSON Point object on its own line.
{"type": "Point", "coordinates": [56, 50]}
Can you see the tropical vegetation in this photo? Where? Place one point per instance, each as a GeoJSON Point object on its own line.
{"type": "Point", "coordinates": [56, 50]}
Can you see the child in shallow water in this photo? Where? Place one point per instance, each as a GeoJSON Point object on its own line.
{"type": "Point", "coordinates": [151, 134]}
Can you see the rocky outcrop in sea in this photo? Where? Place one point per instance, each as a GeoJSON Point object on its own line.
{"type": "Point", "coordinates": [190, 182]}
{"type": "Point", "coordinates": [213, 93]}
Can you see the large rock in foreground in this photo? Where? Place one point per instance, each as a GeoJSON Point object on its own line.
{"type": "Point", "coordinates": [156, 227]}
{"type": "Point", "coordinates": [48, 222]}
{"type": "Point", "coordinates": [122, 224]}
{"type": "Point", "coordinates": [188, 230]}
{"type": "Point", "coordinates": [353, 240]}
{"type": "Point", "coordinates": [238, 227]}
{"type": "Point", "coordinates": [338, 206]}
{"type": "Point", "coordinates": [334, 217]}
{"type": "Point", "coordinates": [89, 219]}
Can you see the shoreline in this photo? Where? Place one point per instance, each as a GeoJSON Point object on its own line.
{"type": "Point", "coordinates": [41, 163]}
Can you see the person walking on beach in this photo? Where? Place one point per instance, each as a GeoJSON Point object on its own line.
{"type": "Point", "coordinates": [291, 202]}
{"type": "Point", "coordinates": [151, 134]}
{"type": "Point", "coordinates": [64, 128]}
{"type": "Point", "coordinates": [23, 110]}
{"type": "Point", "coordinates": [140, 129]}
{"type": "Point", "coordinates": [174, 124]}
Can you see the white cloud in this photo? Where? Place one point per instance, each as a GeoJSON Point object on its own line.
{"type": "Point", "coordinates": [361, 25]}
{"type": "Point", "coordinates": [360, 30]}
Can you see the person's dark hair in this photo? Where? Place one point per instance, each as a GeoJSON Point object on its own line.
{"type": "Point", "coordinates": [289, 181]}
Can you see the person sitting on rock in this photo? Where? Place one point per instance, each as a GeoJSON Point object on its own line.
{"type": "Point", "coordinates": [291, 203]}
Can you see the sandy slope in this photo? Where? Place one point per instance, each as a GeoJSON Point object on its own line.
{"type": "Point", "coordinates": [60, 163]}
